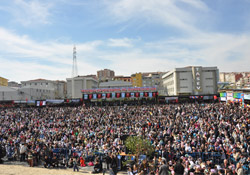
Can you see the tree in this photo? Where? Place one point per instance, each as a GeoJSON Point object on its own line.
{"type": "Point", "coordinates": [138, 145]}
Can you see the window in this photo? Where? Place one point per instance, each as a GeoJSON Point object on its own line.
{"type": "Point", "coordinates": [35, 84]}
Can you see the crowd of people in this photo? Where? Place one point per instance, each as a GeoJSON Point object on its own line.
{"type": "Point", "coordinates": [188, 138]}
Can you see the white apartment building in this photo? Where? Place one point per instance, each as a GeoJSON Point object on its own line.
{"type": "Point", "coordinates": [80, 82]}
{"type": "Point", "coordinates": [46, 89]}
{"type": "Point", "coordinates": [191, 81]}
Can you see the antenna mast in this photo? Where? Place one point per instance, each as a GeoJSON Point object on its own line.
{"type": "Point", "coordinates": [74, 71]}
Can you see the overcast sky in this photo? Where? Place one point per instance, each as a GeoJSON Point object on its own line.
{"type": "Point", "coordinates": [127, 36]}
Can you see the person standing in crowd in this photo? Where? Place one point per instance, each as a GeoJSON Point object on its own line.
{"type": "Point", "coordinates": [239, 169]}
{"type": "Point", "coordinates": [30, 159]}
{"type": "Point", "coordinates": [144, 168]}
{"type": "Point", "coordinates": [179, 168]}
{"type": "Point", "coordinates": [108, 160]}
{"type": "Point", "coordinates": [114, 165]}
{"type": "Point", "coordinates": [133, 170]}
{"type": "Point", "coordinates": [47, 162]}
{"type": "Point", "coordinates": [97, 166]}
{"type": "Point", "coordinates": [23, 149]}
{"type": "Point", "coordinates": [164, 169]}
{"type": "Point", "coordinates": [75, 166]}
{"type": "Point", "coordinates": [82, 161]}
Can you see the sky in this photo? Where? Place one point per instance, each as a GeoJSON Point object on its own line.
{"type": "Point", "coordinates": [128, 36]}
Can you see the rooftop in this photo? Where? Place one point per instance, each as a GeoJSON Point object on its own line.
{"type": "Point", "coordinates": [115, 83]}
{"type": "Point", "coordinates": [6, 89]}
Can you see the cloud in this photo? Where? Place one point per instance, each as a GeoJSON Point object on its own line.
{"type": "Point", "coordinates": [17, 45]}
{"type": "Point", "coordinates": [22, 58]}
{"type": "Point", "coordinates": [30, 12]}
{"type": "Point", "coordinates": [125, 42]}
{"type": "Point", "coordinates": [197, 4]}
{"type": "Point", "coordinates": [167, 12]}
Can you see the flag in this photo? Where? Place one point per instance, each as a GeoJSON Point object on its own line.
{"type": "Point", "coordinates": [123, 94]}
{"type": "Point", "coordinates": [127, 94]}
{"type": "Point", "coordinates": [118, 95]}
{"type": "Point", "coordinates": [150, 94]}
{"type": "Point", "coordinates": [90, 96]}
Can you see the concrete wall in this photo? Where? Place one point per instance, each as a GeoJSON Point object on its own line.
{"type": "Point", "coordinates": [180, 81]}
{"type": "Point", "coordinates": [209, 85]}
{"type": "Point", "coordinates": [58, 87]}
{"type": "Point", "coordinates": [26, 93]}
{"type": "Point", "coordinates": [79, 84]}
{"type": "Point", "coordinates": [185, 83]}
{"type": "Point", "coordinates": [168, 83]}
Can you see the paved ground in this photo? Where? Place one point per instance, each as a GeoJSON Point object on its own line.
{"type": "Point", "coordinates": [22, 168]}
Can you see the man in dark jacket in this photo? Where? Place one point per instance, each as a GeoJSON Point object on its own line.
{"type": "Point", "coordinates": [47, 162]}
{"type": "Point", "coordinates": [164, 170]}
{"type": "Point", "coordinates": [114, 164]}
{"type": "Point", "coordinates": [179, 168]}
{"type": "Point", "coordinates": [108, 160]}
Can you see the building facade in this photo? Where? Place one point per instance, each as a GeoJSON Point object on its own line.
{"type": "Point", "coordinates": [235, 79]}
{"type": "Point", "coordinates": [14, 84]}
{"type": "Point", "coordinates": [80, 82]}
{"type": "Point", "coordinates": [105, 75]}
{"type": "Point", "coordinates": [122, 78]}
{"type": "Point", "coordinates": [115, 84]}
{"type": "Point", "coordinates": [49, 89]}
{"type": "Point", "coordinates": [136, 80]}
{"type": "Point", "coordinates": [152, 79]}
{"type": "Point", "coordinates": [147, 79]}
{"type": "Point", "coordinates": [3, 81]}
{"type": "Point", "coordinates": [191, 81]}
{"type": "Point", "coordinates": [25, 94]}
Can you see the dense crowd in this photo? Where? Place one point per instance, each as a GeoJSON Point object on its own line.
{"type": "Point", "coordinates": [188, 138]}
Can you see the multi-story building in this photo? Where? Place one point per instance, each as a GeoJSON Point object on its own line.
{"type": "Point", "coordinates": [244, 81]}
{"type": "Point", "coordinates": [3, 81]}
{"type": "Point", "coordinates": [14, 84]}
{"type": "Point", "coordinates": [122, 78]}
{"type": "Point", "coordinates": [115, 84]}
{"type": "Point", "coordinates": [136, 79]}
{"type": "Point", "coordinates": [47, 89]}
{"type": "Point", "coordinates": [105, 74]}
{"type": "Point", "coordinates": [148, 79]}
{"type": "Point", "coordinates": [79, 83]}
{"type": "Point", "coordinates": [191, 81]}
{"type": "Point", "coordinates": [230, 77]}
{"type": "Point", "coordinates": [235, 79]}
{"type": "Point", "coordinates": [152, 79]}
